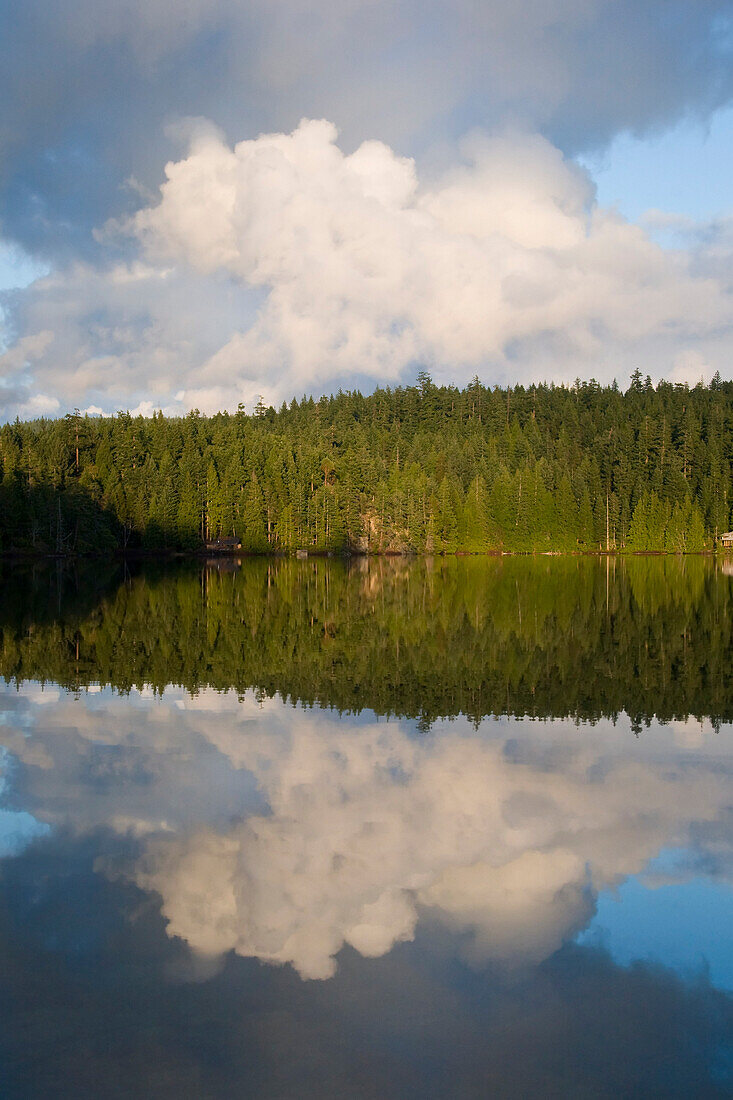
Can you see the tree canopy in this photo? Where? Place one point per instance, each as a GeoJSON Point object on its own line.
{"type": "Point", "coordinates": [421, 468]}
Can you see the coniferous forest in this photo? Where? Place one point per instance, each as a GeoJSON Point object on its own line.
{"type": "Point", "coordinates": [421, 468]}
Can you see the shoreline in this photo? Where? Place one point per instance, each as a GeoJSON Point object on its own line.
{"type": "Point", "coordinates": [210, 557]}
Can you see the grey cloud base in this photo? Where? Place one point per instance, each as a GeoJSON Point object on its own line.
{"type": "Point", "coordinates": [89, 87]}
{"type": "Point", "coordinates": [97, 97]}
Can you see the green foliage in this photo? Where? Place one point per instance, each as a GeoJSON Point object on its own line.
{"type": "Point", "coordinates": [421, 468]}
{"type": "Point", "coordinates": [658, 525]}
{"type": "Point", "coordinates": [424, 637]}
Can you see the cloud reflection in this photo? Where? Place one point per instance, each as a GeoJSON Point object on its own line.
{"type": "Point", "coordinates": [284, 834]}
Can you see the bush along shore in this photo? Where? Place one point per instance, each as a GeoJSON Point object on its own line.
{"type": "Point", "coordinates": [415, 469]}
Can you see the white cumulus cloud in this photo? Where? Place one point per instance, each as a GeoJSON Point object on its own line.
{"type": "Point", "coordinates": [283, 265]}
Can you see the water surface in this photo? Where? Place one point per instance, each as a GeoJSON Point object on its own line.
{"type": "Point", "coordinates": [457, 827]}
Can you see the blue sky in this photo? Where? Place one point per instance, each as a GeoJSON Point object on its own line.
{"type": "Point", "coordinates": [477, 201]}
{"type": "Point", "coordinates": [17, 268]}
{"type": "Point", "coordinates": [687, 170]}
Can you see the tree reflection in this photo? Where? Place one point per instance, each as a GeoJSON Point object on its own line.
{"type": "Point", "coordinates": [422, 638]}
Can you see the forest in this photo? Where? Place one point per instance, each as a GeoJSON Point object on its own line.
{"type": "Point", "coordinates": [414, 469]}
{"type": "Point", "coordinates": [583, 637]}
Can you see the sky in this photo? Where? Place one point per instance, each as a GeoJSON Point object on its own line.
{"type": "Point", "coordinates": [212, 200]}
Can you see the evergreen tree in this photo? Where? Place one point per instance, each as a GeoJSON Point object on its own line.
{"type": "Point", "coordinates": [421, 468]}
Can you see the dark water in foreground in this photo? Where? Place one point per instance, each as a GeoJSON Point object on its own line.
{"type": "Point", "coordinates": [460, 828]}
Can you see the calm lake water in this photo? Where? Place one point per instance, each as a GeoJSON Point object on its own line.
{"type": "Point", "coordinates": [292, 829]}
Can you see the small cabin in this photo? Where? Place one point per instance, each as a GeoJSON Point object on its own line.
{"type": "Point", "coordinates": [726, 540]}
{"type": "Point", "coordinates": [223, 545]}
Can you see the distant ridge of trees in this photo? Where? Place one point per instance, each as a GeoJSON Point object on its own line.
{"type": "Point", "coordinates": [422, 468]}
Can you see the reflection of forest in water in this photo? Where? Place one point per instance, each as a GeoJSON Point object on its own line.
{"type": "Point", "coordinates": [423, 638]}
{"type": "Point", "coordinates": [419, 897]}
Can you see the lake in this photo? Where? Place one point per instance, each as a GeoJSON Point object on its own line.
{"type": "Point", "coordinates": [451, 827]}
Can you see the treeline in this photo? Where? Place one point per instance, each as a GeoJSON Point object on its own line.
{"type": "Point", "coordinates": [546, 637]}
{"type": "Point", "coordinates": [421, 468]}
